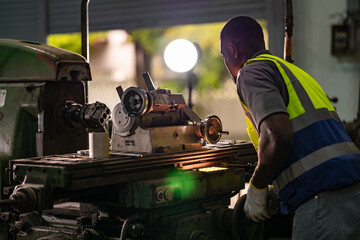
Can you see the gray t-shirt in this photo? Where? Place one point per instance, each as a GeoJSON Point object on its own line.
{"type": "Point", "coordinates": [262, 89]}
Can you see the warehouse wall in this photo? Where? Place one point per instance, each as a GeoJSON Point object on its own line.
{"type": "Point", "coordinates": [312, 52]}
{"type": "Point", "coordinates": [29, 19]}
{"type": "Point", "coordinates": [34, 19]}
{"type": "Point", "coordinates": [24, 19]}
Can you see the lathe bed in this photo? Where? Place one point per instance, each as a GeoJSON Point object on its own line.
{"type": "Point", "coordinates": [78, 171]}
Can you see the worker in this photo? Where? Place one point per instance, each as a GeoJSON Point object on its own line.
{"type": "Point", "coordinates": [303, 149]}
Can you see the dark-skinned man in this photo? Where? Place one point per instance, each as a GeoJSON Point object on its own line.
{"type": "Point", "coordinates": [302, 146]}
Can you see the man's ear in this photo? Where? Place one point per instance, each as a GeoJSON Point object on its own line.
{"type": "Point", "coordinates": [234, 51]}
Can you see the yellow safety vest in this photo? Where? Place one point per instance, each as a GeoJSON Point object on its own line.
{"type": "Point", "coordinates": [319, 140]}
{"type": "Point", "coordinates": [295, 107]}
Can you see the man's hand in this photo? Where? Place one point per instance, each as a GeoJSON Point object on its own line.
{"type": "Point", "coordinates": [255, 207]}
{"type": "Point", "coordinates": [261, 204]}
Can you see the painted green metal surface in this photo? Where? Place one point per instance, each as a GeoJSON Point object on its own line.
{"type": "Point", "coordinates": [25, 61]}
{"type": "Point", "coordinates": [25, 68]}
{"type": "Point", "coordinates": [52, 176]}
{"type": "Point", "coordinates": [181, 186]}
{"type": "Point", "coordinates": [18, 123]}
{"type": "Point", "coordinates": [36, 78]}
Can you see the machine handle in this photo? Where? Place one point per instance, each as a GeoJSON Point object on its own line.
{"type": "Point", "coordinates": [224, 133]}
{"type": "Point", "coordinates": [7, 202]}
{"type": "Point", "coordinates": [149, 82]}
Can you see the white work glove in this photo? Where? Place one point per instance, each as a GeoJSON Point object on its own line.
{"type": "Point", "coordinates": [257, 205]}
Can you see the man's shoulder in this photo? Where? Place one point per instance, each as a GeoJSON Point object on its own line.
{"type": "Point", "coordinates": [259, 65]}
{"type": "Point", "coordinates": [259, 75]}
{"type": "Point", "coordinates": [262, 71]}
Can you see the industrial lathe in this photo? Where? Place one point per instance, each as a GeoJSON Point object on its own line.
{"type": "Point", "coordinates": [164, 174]}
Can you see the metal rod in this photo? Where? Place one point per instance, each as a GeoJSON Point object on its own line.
{"type": "Point", "coordinates": [85, 29]}
{"type": "Point", "coordinates": [7, 202]}
{"type": "Point", "coordinates": [85, 38]}
{"type": "Point", "coordinates": [289, 23]}
{"type": "Point", "coordinates": [190, 87]}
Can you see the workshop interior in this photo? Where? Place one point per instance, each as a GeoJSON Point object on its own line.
{"type": "Point", "coordinates": [83, 158]}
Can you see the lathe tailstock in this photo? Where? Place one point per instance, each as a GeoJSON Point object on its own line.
{"type": "Point", "coordinates": [156, 120]}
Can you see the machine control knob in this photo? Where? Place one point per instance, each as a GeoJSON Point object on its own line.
{"type": "Point", "coordinates": [138, 230]}
{"type": "Point", "coordinates": [160, 195]}
{"type": "Point", "coordinates": [167, 194]}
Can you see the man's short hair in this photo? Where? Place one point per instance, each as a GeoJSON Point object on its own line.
{"type": "Point", "coordinates": [243, 31]}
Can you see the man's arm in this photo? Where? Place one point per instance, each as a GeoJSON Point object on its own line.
{"type": "Point", "coordinates": [274, 145]}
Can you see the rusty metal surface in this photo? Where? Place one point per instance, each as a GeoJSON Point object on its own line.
{"type": "Point", "coordinates": [25, 61]}
{"type": "Point", "coordinates": [84, 172]}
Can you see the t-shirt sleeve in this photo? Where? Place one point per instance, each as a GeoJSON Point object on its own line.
{"type": "Point", "coordinates": [261, 88]}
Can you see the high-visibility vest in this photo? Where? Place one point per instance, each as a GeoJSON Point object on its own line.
{"type": "Point", "coordinates": [322, 155]}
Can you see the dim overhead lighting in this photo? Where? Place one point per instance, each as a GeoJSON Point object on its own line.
{"type": "Point", "coordinates": [180, 55]}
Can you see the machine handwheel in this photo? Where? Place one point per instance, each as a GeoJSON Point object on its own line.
{"type": "Point", "coordinates": [242, 228]}
{"type": "Point", "coordinates": [134, 101]}
{"type": "Point", "coordinates": [212, 129]}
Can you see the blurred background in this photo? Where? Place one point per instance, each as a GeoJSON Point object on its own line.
{"type": "Point", "coordinates": [128, 38]}
{"type": "Point", "coordinates": [117, 55]}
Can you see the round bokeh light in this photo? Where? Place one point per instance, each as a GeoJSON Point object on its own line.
{"type": "Point", "coordinates": [180, 55]}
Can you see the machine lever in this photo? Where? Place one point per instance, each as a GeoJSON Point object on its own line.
{"type": "Point", "coordinates": [149, 82]}
{"type": "Point", "coordinates": [120, 91]}
{"type": "Point", "coordinates": [7, 202]}
{"type": "Point", "coordinates": [224, 132]}
{"type": "Point", "coordinates": [23, 199]}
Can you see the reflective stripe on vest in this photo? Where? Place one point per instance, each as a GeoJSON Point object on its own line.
{"type": "Point", "coordinates": [312, 160]}
{"type": "Point", "coordinates": [308, 105]}
{"type": "Point", "coordinates": [251, 130]}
